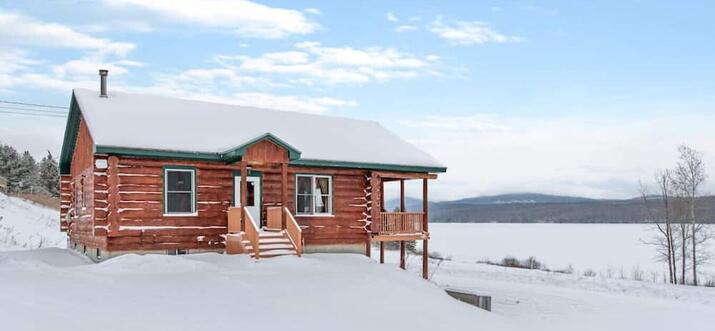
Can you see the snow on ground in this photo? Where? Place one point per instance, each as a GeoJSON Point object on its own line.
{"type": "Point", "coordinates": [26, 225]}
{"type": "Point", "coordinates": [603, 248]}
{"type": "Point", "coordinates": [539, 300]}
{"type": "Point", "coordinates": [54, 289]}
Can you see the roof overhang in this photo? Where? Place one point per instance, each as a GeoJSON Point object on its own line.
{"type": "Point", "coordinates": [71, 130]}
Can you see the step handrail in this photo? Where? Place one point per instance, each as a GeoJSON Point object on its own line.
{"type": "Point", "coordinates": [251, 231]}
{"type": "Point", "coordinates": [294, 232]}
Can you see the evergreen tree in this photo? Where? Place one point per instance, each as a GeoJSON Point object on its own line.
{"type": "Point", "coordinates": [9, 161]}
{"type": "Point", "coordinates": [25, 175]}
{"type": "Point", "coordinates": [49, 175]}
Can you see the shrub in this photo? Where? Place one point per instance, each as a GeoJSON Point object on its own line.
{"type": "Point", "coordinates": [709, 283]}
{"type": "Point", "coordinates": [510, 262]}
{"type": "Point", "coordinates": [637, 273]}
{"type": "Point", "coordinates": [589, 273]}
{"type": "Point", "coordinates": [532, 263]}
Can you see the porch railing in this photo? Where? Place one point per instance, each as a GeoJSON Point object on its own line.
{"type": "Point", "coordinates": [295, 233]}
{"type": "Point", "coordinates": [251, 232]}
{"type": "Point", "coordinates": [401, 223]}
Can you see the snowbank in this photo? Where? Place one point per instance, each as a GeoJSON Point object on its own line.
{"type": "Point", "coordinates": [212, 291]}
{"type": "Point", "coordinates": [26, 225]}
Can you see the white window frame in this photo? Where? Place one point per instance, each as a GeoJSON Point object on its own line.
{"type": "Point", "coordinates": [166, 192]}
{"type": "Point", "coordinates": [312, 194]}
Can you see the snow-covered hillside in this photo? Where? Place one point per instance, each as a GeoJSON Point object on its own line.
{"type": "Point", "coordinates": [53, 289]}
{"type": "Point", "coordinates": [26, 225]}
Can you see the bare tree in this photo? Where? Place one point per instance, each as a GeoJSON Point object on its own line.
{"type": "Point", "coordinates": [664, 239]}
{"type": "Point", "coordinates": [688, 177]}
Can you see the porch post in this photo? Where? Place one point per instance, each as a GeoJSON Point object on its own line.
{"type": "Point", "coordinates": [402, 195]}
{"type": "Point", "coordinates": [382, 252]}
{"type": "Point", "coordinates": [425, 223]}
{"type": "Point", "coordinates": [244, 189]}
{"type": "Point", "coordinates": [402, 254]}
{"type": "Point", "coordinates": [382, 196]}
{"type": "Point", "coordinates": [284, 192]}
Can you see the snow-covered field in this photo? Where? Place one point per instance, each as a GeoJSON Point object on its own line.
{"type": "Point", "coordinates": [26, 225]}
{"type": "Point", "coordinates": [603, 248]}
{"type": "Point", "coordinates": [539, 300]}
{"type": "Point", "coordinates": [54, 289]}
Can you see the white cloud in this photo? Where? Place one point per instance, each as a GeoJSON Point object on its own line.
{"type": "Point", "coordinates": [118, 25]}
{"type": "Point", "coordinates": [405, 28]}
{"type": "Point", "coordinates": [314, 11]}
{"type": "Point", "coordinates": [89, 66]}
{"type": "Point", "coordinates": [29, 31]}
{"type": "Point", "coordinates": [478, 122]}
{"type": "Point", "coordinates": [245, 18]}
{"type": "Point", "coordinates": [578, 155]}
{"type": "Point", "coordinates": [466, 33]}
{"type": "Point", "coordinates": [390, 16]}
{"type": "Point", "coordinates": [312, 63]}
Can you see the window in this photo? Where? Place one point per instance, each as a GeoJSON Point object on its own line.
{"type": "Point", "coordinates": [179, 191]}
{"type": "Point", "coordinates": [314, 195]}
{"type": "Point", "coordinates": [77, 197]}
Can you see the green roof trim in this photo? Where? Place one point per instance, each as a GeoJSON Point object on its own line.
{"type": "Point", "coordinates": [174, 155]}
{"type": "Point", "coordinates": [159, 154]}
{"type": "Point", "coordinates": [71, 130]}
{"type": "Point", "coordinates": [367, 166]}
{"type": "Point", "coordinates": [236, 153]}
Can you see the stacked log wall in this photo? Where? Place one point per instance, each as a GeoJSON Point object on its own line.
{"type": "Point", "coordinates": [81, 182]}
{"type": "Point", "coordinates": [142, 224]}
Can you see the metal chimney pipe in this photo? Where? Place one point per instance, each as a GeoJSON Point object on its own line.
{"type": "Point", "coordinates": [103, 82]}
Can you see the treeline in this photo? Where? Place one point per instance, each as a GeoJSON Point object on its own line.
{"type": "Point", "coordinates": [25, 175]}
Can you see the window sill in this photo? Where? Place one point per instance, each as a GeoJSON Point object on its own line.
{"type": "Point", "coordinates": [315, 215]}
{"type": "Point", "coordinates": [181, 215]}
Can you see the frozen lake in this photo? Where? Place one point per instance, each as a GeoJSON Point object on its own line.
{"type": "Point", "coordinates": [599, 247]}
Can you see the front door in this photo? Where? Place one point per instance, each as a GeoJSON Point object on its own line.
{"type": "Point", "coordinates": [253, 196]}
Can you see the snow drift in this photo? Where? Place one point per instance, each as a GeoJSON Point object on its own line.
{"type": "Point", "coordinates": [54, 289]}
{"type": "Point", "coordinates": [26, 225]}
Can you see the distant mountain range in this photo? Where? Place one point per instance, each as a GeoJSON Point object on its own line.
{"type": "Point", "coordinates": [545, 208]}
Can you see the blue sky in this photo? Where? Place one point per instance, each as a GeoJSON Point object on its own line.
{"type": "Point", "coordinates": [551, 96]}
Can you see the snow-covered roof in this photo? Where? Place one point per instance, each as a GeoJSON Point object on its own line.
{"type": "Point", "coordinates": [148, 122]}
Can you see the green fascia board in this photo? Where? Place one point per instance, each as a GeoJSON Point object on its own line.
{"type": "Point", "coordinates": [367, 166]}
{"type": "Point", "coordinates": [236, 153]}
{"type": "Point", "coordinates": [159, 154]}
{"type": "Point", "coordinates": [198, 156]}
{"type": "Point", "coordinates": [70, 138]}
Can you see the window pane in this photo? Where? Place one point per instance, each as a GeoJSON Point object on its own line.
{"type": "Point", "coordinates": [304, 185]}
{"type": "Point", "coordinates": [179, 203]}
{"type": "Point", "coordinates": [178, 180]}
{"type": "Point", "coordinates": [322, 186]}
{"type": "Point", "coordinates": [322, 204]}
{"type": "Point", "coordinates": [250, 195]}
{"type": "Point", "coordinates": [304, 205]}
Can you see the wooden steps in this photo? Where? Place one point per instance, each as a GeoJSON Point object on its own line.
{"type": "Point", "coordinates": [272, 244]}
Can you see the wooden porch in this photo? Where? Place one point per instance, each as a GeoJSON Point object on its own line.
{"type": "Point", "coordinates": [401, 226]}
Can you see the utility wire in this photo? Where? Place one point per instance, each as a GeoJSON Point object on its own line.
{"type": "Point", "coordinates": [35, 110]}
{"type": "Point", "coordinates": [31, 104]}
{"type": "Point", "coordinates": [33, 114]}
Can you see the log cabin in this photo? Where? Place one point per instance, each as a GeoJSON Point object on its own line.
{"type": "Point", "coordinates": [151, 174]}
